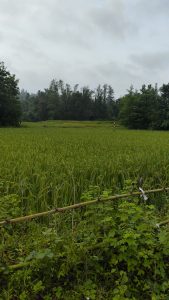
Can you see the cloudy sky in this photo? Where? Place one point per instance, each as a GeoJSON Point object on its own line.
{"type": "Point", "coordinates": [119, 42]}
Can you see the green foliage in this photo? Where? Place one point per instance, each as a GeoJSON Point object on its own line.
{"type": "Point", "coordinates": [163, 108]}
{"type": "Point", "coordinates": [113, 252]}
{"type": "Point", "coordinates": [61, 102]}
{"type": "Point", "coordinates": [140, 109]}
{"type": "Point", "coordinates": [147, 108]}
{"type": "Point", "coordinates": [9, 206]}
{"type": "Point", "coordinates": [10, 110]}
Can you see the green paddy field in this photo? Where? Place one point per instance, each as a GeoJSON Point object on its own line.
{"type": "Point", "coordinates": [103, 252]}
{"type": "Point", "coordinates": [53, 163]}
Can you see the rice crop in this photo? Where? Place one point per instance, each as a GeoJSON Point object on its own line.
{"type": "Point", "coordinates": [112, 250]}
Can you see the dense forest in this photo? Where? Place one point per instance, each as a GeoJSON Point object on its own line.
{"type": "Point", "coordinates": [147, 108]}
{"type": "Point", "coordinates": [61, 102]}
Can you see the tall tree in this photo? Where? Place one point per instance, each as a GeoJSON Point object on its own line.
{"type": "Point", "coordinates": [10, 109]}
{"type": "Point", "coordinates": [163, 108]}
{"type": "Point", "coordinates": [112, 105]}
{"type": "Point", "coordinates": [139, 108]}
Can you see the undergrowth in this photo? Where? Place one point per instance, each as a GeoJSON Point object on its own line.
{"type": "Point", "coordinates": [105, 251]}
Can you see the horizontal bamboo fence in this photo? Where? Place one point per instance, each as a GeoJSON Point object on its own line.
{"type": "Point", "coordinates": [82, 204]}
{"type": "Point", "coordinates": [75, 206]}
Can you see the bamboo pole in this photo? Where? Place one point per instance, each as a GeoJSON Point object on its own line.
{"type": "Point", "coordinates": [26, 264]}
{"type": "Point", "coordinates": [74, 206]}
{"type": "Point", "coordinates": [78, 205]}
{"type": "Point", "coordinates": [163, 223]}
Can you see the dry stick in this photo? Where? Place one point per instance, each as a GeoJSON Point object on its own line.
{"type": "Point", "coordinates": [78, 205]}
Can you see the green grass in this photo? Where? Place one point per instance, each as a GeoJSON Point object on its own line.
{"type": "Point", "coordinates": [55, 164]}
{"type": "Point", "coordinates": [69, 124]}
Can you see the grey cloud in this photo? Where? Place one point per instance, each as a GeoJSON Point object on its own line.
{"type": "Point", "coordinates": [89, 42]}
{"type": "Point", "coordinates": [115, 74]}
{"type": "Point", "coordinates": [118, 75]}
{"type": "Point", "coordinates": [157, 7]}
{"type": "Point", "coordinates": [112, 19]}
{"type": "Point", "coordinates": [12, 7]}
{"type": "Point", "coordinates": [157, 61]}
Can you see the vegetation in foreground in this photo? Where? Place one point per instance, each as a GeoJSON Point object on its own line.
{"type": "Point", "coordinates": [107, 251]}
{"type": "Point", "coordinates": [112, 251]}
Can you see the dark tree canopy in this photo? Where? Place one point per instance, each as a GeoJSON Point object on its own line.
{"type": "Point", "coordinates": [10, 109]}
{"type": "Point", "coordinates": [62, 102]}
{"type": "Point", "coordinates": [146, 109]}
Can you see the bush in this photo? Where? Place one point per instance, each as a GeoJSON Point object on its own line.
{"type": "Point", "coordinates": [112, 251]}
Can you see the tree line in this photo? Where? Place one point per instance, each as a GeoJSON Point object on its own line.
{"type": "Point", "coordinates": [147, 108]}
{"type": "Point", "coordinates": [61, 102]}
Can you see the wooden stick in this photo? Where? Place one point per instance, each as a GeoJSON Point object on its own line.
{"type": "Point", "coordinates": [74, 206]}
{"type": "Point", "coordinates": [78, 205]}
{"type": "Point", "coordinates": [163, 223]}
{"type": "Point", "coordinates": [26, 264]}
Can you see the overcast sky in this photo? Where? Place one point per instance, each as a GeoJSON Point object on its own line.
{"type": "Point", "coordinates": [119, 42]}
